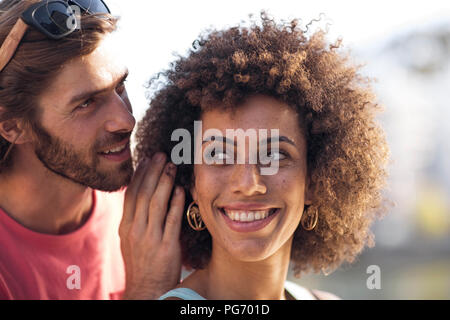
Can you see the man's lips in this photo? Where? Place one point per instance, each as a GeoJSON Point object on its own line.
{"type": "Point", "coordinates": [121, 145]}
{"type": "Point", "coordinates": [119, 153]}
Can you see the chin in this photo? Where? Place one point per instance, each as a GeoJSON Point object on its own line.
{"type": "Point", "coordinates": [111, 181]}
{"type": "Point", "coordinates": [251, 250]}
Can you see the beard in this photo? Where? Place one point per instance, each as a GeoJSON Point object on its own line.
{"type": "Point", "coordinates": [82, 168]}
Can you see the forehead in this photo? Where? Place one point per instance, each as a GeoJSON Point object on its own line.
{"type": "Point", "coordinates": [96, 70]}
{"type": "Point", "coordinates": [258, 112]}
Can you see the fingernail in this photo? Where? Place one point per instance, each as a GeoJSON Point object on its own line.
{"type": "Point", "coordinates": [142, 163]}
{"type": "Point", "coordinates": [158, 156]}
{"type": "Point", "coordinates": [170, 169]}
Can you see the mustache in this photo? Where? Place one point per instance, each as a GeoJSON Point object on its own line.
{"type": "Point", "coordinates": [111, 140]}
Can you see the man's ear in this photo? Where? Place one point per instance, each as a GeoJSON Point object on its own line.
{"type": "Point", "coordinates": [14, 130]}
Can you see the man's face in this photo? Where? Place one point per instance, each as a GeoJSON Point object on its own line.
{"type": "Point", "coordinates": [83, 130]}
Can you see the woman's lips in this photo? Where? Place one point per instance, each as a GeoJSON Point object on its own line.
{"type": "Point", "coordinates": [248, 220]}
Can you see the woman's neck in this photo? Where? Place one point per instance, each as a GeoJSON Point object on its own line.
{"type": "Point", "coordinates": [225, 277]}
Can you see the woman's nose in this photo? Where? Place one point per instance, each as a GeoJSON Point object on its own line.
{"type": "Point", "coordinates": [246, 179]}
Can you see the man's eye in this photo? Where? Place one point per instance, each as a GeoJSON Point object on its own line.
{"type": "Point", "coordinates": [86, 104]}
{"type": "Point", "coordinates": [121, 87]}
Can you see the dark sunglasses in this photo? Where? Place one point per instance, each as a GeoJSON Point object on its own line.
{"type": "Point", "coordinates": [54, 18]}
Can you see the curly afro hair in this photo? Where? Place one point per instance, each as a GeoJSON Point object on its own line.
{"type": "Point", "coordinates": [347, 151]}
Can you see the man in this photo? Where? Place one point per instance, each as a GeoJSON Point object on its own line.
{"type": "Point", "coordinates": [65, 127]}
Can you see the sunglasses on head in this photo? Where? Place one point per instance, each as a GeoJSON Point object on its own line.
{"type": "Point", "coordinates": [53, 18]}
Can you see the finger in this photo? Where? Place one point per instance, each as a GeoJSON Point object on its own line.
{"type": "Point", "coordinates": [174, 216]}
{"type": "Point", "coordinates": [158, 204]}
{"type": "Point", "coordinates": [146, 190]}
{"type": "Point", "coordinates": [132, 189]}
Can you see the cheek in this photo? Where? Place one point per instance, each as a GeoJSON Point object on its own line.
{"type": "Point", "coordinates": [293, 176]}
{"type": "Point", "coordinates": [207, 184]}
{"type": "Point", "coordinates": [84, 136]}
{"type": "Point", "coordinates": [290, 186]}
{"type": "Point", "coordinates": [207, 189]}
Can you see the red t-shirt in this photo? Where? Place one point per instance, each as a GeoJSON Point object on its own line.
{"type": "Point", "coordinates": [84, 264]}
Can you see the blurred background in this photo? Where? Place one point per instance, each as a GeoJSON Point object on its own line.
{"type": "Point", "coordinates": [405, 45]}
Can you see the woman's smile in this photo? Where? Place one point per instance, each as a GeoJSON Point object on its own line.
{"type": "Point", "coordinates": [248, 220]}
{"type": "Point", "coordinates": [246, 216]}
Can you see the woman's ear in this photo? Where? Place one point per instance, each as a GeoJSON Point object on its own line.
{"type": "Point", "coordinates": [309, 188]}
{"type": "Point", "coordinates": [194, 194]}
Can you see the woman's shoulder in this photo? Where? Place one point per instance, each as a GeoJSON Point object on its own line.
{"type": "Point", "coordinates": [301, 293]}
{"type": "Point", "coordinates": [181, 293]}
{"type": "Point", "coordinates": [324, 295]}
{"type": "Point", "coordinates": [296, 291]}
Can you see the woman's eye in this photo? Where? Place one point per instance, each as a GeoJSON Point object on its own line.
{"type": "Point", "coordinates": [277, 156]}
{"type": "Point", "coordinates": [216, 156]}
{"type": "Point", "coordinates": [221, 156]}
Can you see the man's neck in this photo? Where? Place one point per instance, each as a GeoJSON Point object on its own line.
{"type": "Point", "coordinates": [43, 201]}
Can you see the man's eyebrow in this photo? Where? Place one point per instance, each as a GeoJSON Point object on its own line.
{"type": "Point", "coordinates": [86, 95]}
{"type": "Point", "coordinates": [268, 140]}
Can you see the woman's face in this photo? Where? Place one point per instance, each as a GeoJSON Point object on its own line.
{"type": "Point", "coordinates": [248, 214]}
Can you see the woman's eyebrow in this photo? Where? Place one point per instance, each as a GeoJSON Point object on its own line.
{"type": "Point", "coordinates": [268, 140]}
{"type": "Point", "coordinates": [218, 138]}
{"type": "Point", "coordinates": [280, 139]}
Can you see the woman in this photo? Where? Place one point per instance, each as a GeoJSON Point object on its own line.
{"type": "Point", "coordinates": [242, 228]}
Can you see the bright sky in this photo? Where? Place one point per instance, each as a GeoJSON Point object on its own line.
{"type": "Point", "coordinates": [152, 31]}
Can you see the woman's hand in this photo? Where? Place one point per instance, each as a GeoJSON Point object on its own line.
{"type": "Point", "coordinates": [150, 230]}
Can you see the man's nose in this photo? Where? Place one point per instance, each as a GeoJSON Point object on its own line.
{"type": "Point", "coordinates": [247, 180]}
{"type": "Point", "coordinates": [119, 115]}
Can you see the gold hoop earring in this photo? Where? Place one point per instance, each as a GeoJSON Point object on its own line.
{"type": "Point", "coordinates": [194, 218]}
{"type": "Point", "coordinates": [310, 224]}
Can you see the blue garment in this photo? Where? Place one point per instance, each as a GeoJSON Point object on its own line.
{"type": "Point", "coordinates": [182, 293]}
{"type": "Point", "coordinates": [296, 291]}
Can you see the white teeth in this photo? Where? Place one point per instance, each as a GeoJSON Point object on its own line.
{"type": "Point", "coordinates": [118, 149]}
{"type": "Point", "coordinates": [247, 216]}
